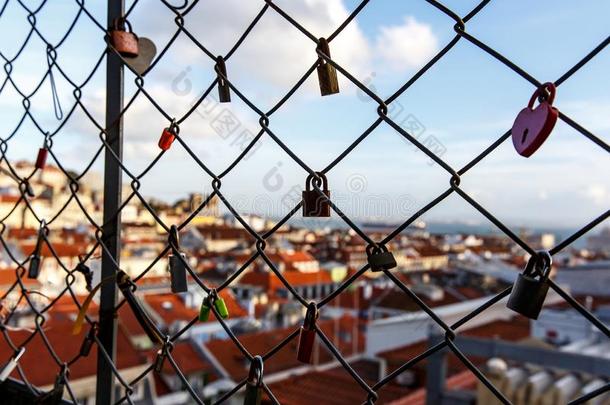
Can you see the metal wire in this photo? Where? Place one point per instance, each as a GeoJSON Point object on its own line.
{"type": "Point", "coordinates": [99, 239]}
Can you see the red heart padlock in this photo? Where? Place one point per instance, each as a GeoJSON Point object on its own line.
{"type": "Point", "coordinates": [533, 125]}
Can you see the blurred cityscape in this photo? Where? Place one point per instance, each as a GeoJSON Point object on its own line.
{"type": "Point", "coordinates": [375, 325]}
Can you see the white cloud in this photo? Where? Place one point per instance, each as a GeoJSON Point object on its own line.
{"type": "Point", "coordinates": [406, 46]}
{"type": "Point", "coordinates": [598, 194]}
{"type": "Point", "coordinates": [274, 52]}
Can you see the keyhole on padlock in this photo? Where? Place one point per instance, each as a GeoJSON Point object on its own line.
{"type": "Point", "coordinates": [524, 137]}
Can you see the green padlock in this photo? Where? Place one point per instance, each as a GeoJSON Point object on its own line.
{"type": "Point", "coordinates": [221, 308]}
{"type": "Point", "coordinates": [204, 311]}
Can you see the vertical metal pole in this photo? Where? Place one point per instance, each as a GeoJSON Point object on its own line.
{"type": "Point", "coordinates": [112, 218]}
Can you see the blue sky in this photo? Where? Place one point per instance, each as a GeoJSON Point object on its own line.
{"type": "Point", "coordinates": [466, 102]}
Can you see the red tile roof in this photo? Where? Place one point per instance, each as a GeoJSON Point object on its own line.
{"type": "Point", "coordinates": [270, 282]}
{"type": "Point", "coordinates": [62, 249]}
{"type": "Point", "coordinates": [186, 357]}
{"type": "Point", "coordinates": [334, 386]}
{"type": "Point", "coordinates": [233, 361]}
{"type": "Point", "coordinates": [39, 366]}
{"type": "Point", "coordinates": [8, 278]}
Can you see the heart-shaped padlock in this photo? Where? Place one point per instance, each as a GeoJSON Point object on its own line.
{"type": "Point", "coordinates": [533, 125]}
{"type": "Point", "coordinates": [147, 52]}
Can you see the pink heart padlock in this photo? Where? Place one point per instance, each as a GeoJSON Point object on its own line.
{"type": "Point", "coordinates": [533, 125]}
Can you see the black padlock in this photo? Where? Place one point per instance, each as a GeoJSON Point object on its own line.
{"type": "Point", "coordinates": [254, 382]}
{"type": "Point", "coordinates": [85, 270]}
{"type": "Point", "coordinates": [34, 269]}
{"type": "Point", "coordinates": [327, 74]}
{"type": "Point", "coordinates": [380, 258]}
{"type": "Point", "coordinates": [177, 267]}
{"type": "Point", "coordinates": [314, 204]}
{"type": "Point", "coordinates": [85, 348]}
{"type": "Point", "coordinates": [530, 288]}
{"type": "Point", "coordinates": [224, 90]}
{"type": "Point", "coordinates": [55, 396]}
{"type": "Point", "coordinates": [159, 361]}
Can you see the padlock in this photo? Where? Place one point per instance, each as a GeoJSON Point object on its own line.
{"type": "Point", "coordinates": [167, 137]}
{"type": "Point", "coordinates": [55, 396]}
{"type": "Point", "coordinates": [380, 258]}
{"type": "Point", "coordinates": [125, 42]}
{"type": "Point", "coordinates": [159, 361]}
{"type": "Point", "coordinates": [177, 263]}
{"type": "Point", "coordinates": [177, 272]}
{"type": "Point", "coordinates": [224, 90]}
{"type": "Point", "coordinates": [41, 159]}
{"type": "Point", "coordinates": [11, 364]}
{"type": "Point", "coordinates": [314, 204]}
{"type": "Point", "coordinates": [221, 308]}
{"type": "Point", "coordinates": [204, 311]}
{"type": "Point", "coordinates": [127, 288]}
{"type": "Point", "coordinates": [85, 348]}
{"type": "Point", "coordinates": [254, 382]}
{"type": "Point", "coordinates": [28, 190]}
{"type": "Point", "coordinates": [307, 335]}
{"type": "Point", "coordinates": [528, 293]}
{"type": "Point", "coordinates": [534, 125]}
{"type": "Point", "coordinates": [327, 74]}
{"type": "Point", "coordinates": [82, 268]}
{"type": "Point", "coordinates": [34, 269]}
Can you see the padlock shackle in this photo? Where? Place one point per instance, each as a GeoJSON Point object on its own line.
{"type": "Point", "coordinates": [375, 248]}
{"type": "Point", "coordinates": [324, 48]}
{"type": "Point", "coordinates": [539, 263]}
{"type": "Point", "coordinates": [311, 178]}
{"type": "Point", "coordinates": [255, 375]}
{"type": "Point", "coordinates": [120, 23]}
{"type": "Point", "coordinates": [550, 87]}
{"type": "Point", "coordinates": [43, 231]}
{"type": "Point", "coordinates": [311, 316]}
{"type": "Point", "coordinates": [173, 239]}
{"type": "Point", "coordinates": [222, 70]}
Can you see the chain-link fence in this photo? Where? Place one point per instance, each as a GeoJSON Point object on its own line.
{"type": "Point", "coordinates": [100, 327]}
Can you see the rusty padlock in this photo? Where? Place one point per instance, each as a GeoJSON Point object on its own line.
{"type": "Point", "coordinates": [254, 382]}
{"type": "Point", "coordinates": [528, 293]}
{"type": "Point", "coordinates": [534, 125]}
{"type": "Point", "coordinates": [327, 74]}
{"type": "Point", "coordinates": [177, 267]}
{"type": "Point", "coordinates": [307, 334]}
{"type": "Point", "coordinates": [380, 258]}
{"type": "Point", "coordinates": [314, 204]}
{"type": "Point", "coordinates": [224, 90]}
{"type": "Point", "coordinates": [125, 42]}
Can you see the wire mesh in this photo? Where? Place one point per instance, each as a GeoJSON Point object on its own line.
{"type": "Point", "coordinates": [98, 240]}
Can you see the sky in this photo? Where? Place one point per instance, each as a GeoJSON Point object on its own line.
{"type": "Point", "coordinates": [464, 103]}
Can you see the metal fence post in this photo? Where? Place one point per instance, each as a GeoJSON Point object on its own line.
{"type": "Point", "coordinates": [112, 216]}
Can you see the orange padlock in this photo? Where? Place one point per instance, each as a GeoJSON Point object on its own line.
{"type": "Point", "coordinates": [125, 42]}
